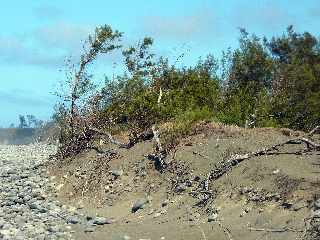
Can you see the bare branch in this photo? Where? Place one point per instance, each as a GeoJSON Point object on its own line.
{"type": "Point", "coordinates": [313, 131]}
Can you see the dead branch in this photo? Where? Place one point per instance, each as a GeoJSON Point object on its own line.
{"type": "Point", "coordinates": [132, 141]}
{"type": "Point", "coordinates": [275, 230]}
{"type": "Point", "coordinates": [73, 146]}
{"type": "Point", "coordinates": [225, 166]}
{"type": "Point", "coordinates": [160, 96]}
{"type": "Point", "coordinates": [109, 152]}
{"type": "Point", "coordinates": [157, 139]}
{"type": "Point", "coordinates": [159, 156]}
{"type": "Point", "coordinates": [226, 230]}
{"type": "Point", "coordinates": [313, 131]}
{"type": "Point", "coordinates": [110, 138]}
{"type": "Point", "coordinates": [310, 144]}
{"type": "Point", "coordinates": [200, 154]}
{"type": "Point", "coordinates": [202, 233]}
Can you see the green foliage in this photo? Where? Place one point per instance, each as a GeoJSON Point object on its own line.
{"type": "Point", "coordinates": [250, 66]}
{"type": "Point", "coordinates": [195, 115]}
{"type": "Point", "coordinates": [276, 82]}
{"type": "Point", "coordinates": [136, 100]}
{"type": "Point", "coordinates": [262, 83]}
{"type": "Point", "coordinates": [183, 125]}
{"type": "Point", "coordinates": [297, 80]}
{"type": "Point", "coordinates": [237, 107]}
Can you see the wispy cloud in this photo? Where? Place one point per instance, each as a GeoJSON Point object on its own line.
{"type": "Point", "coordinates": [262, 15]}
{"type": "Point", "coordinates": [48, 12]}
{"type": "Point", "coordinates": [62, 35]}
{"type": "Point", "coordinates": [23, 98]}
{"type": "Point", "coordinates": [314, 12]}
{"type": "Point", "coordinates": [198, 24]}
{"type": "Point", "coordinates": [46, 46]}
{"type": "Point", "coordinates": [15, 51]}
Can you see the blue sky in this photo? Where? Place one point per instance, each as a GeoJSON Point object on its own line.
{"type": "Point", "coordinates": [36, 36]}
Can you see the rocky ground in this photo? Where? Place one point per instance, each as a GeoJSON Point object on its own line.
{"type": "Point", "coordinates": [28, 206]}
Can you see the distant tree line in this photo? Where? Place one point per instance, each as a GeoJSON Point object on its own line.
{"type": "Point", "coordinates": [28, 121]}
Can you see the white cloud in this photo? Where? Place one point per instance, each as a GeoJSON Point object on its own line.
{"type": "Point", "coordinates": [25, 98]}
{"type": "Point", "coordinates": [199, 24]}
{"type": "Point", "coordinates": [15, 51]}
{"type": "Point", "coordinates": [46, 46]}
{"type": "Point", "coordinates": [48, 12]}
{"type": "Point", "coordinates": [263, 16]}
{"type": "Point", "coordinates": [62, 35]}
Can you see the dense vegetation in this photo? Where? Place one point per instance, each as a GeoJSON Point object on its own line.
{"type": "Point", "coordinates": [264, 82]}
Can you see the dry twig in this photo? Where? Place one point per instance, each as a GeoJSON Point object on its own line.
{"type": "Point", "coordinates": [275, 230]}
{"type": "Point", "coordinates": [313, 131]}
{"type": "Point", "coordinates": [226, 231]}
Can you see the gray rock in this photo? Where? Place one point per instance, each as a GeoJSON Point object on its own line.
{"type": "Point", "coordinates": [213, 217]}
{"type": "Point", "coordinates": [101, 221]}
{"type": "Point", "coordinates": [117, 173]}
{"type": "Point", "coordinates": [316, 213]}
{"type": "Point", "coordinates": [165, 203]}
{"type": "Point", "coordinates": [317, 204]}
{"type": "Point", "coordinates": [181, 187]}
{"type": "Point", "coordinates": [53, 229]}
{"type": "Point", "coordinates": [89, 229]}
{"type": "Point", "coordinates": [73, 220]}
{"type": "Point", "coordinates": [122, 237]}
{"type": "Point", "coordinates": [139, 204]}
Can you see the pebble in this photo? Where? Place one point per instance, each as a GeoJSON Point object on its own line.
{"type": "Point", "coordinates": [316, 213]}
{"type": "Point", "coordinates": [117, 173]}
{"type": "Point", "coordinates": [139, 204]}
{"type": "Point", "coordinates": [158, 214]}
{"type": "Point", "coordinates": [213, 217]}
{"type": "Point", "coordinates": [181, 187]}
{"type": "Point", "coordinates": [89, 229]}
{"type": "Point", "coordinates": [73, 220]}
{"type": "Point", "coordinates": [317, 204]}
{"type": "Point", "coordinates": [28, 209]}
{"type": "Point", "coordinates": [165, 203]}
{"type": "Point", "coordinates": [101, 221]}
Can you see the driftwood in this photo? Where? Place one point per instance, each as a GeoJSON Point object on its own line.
{"type": "Point", "coordinates": [315, 130]}
{"type": "Point", "coordinates": [110, 138]}
{"type": "Point", "coordinates": [226, 230]}
{"type": "Point", "coordinates": [225, 166]}
{"type": "Point", "coordinates": [132, 141]}
{"type": "Point", "coordinates": [160, 154]}
{"type": "Point", "coordinates": [201, 155]}
{"type": "Point", "coordinates": [275, 230]}
{"type": "Point", "coordinates": [160, 96]}
{"type": "Point", "coordinates": [157, 139]}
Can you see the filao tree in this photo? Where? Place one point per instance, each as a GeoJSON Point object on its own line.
{"type": "Point", "coordinates": [103, 41]}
